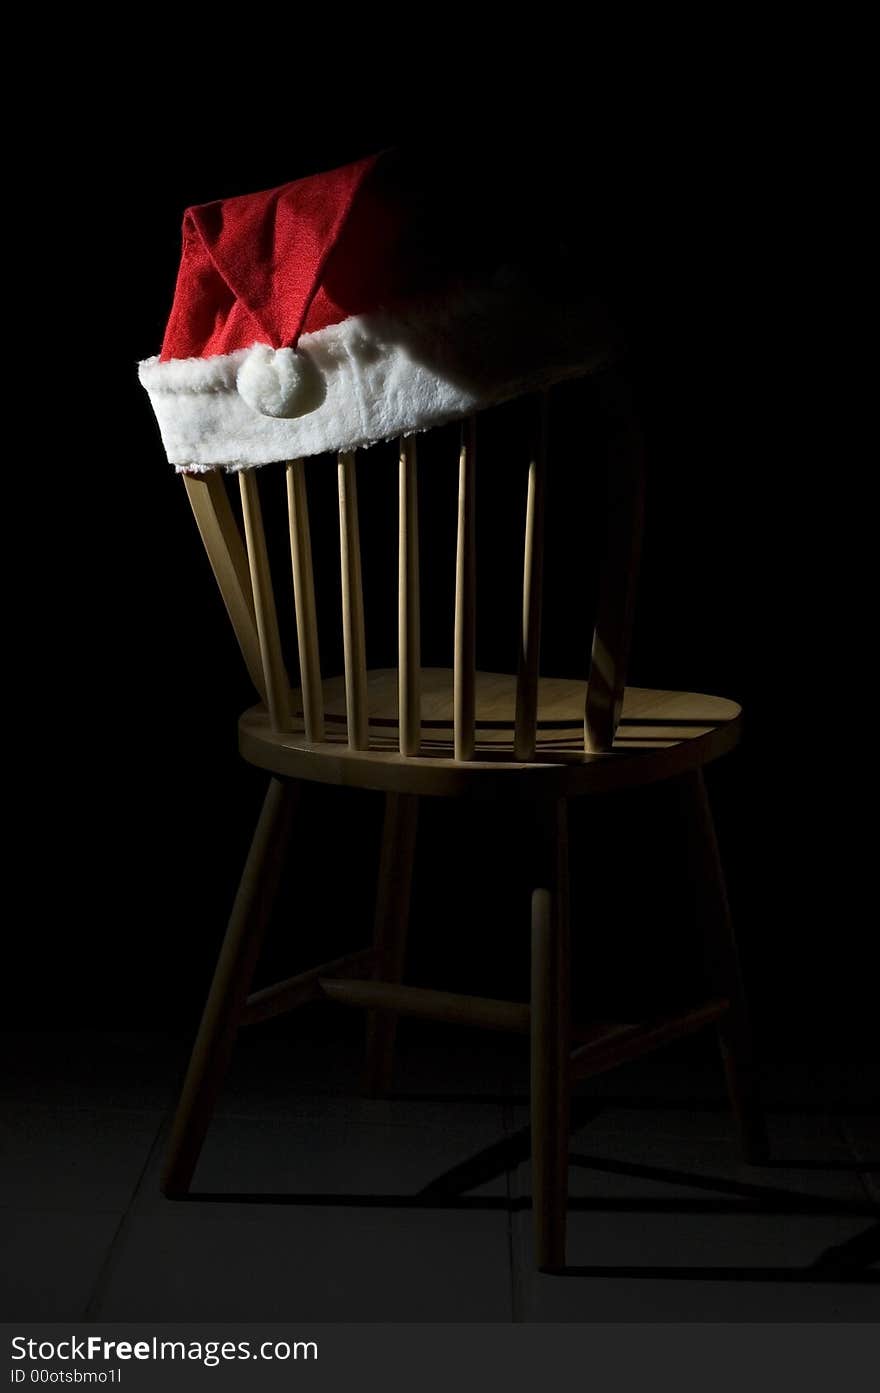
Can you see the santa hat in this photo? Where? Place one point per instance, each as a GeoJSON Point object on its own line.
{"type": "Point", "coordinates": [360, 304]}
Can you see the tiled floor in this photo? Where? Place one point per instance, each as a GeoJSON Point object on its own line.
{"type": "Point", "coordinates": [313, 1203]}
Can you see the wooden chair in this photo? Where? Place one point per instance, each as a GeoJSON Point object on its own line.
{"type": "Point", "coordinates": [458, 733]}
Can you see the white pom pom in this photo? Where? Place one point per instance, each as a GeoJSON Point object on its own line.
{"type": "Point", "coordinates": [276, 381]}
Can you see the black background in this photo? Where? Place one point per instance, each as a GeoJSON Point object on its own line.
{"type": "Point", "coordinates": [720, 215]}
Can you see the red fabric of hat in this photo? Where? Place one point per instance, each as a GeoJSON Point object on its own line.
{"type": "Point", "coordinates": [341, 309]}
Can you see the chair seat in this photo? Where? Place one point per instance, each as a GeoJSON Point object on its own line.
{"type": "Point", "coordinates": [661, 734]}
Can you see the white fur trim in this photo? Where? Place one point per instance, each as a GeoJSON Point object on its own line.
{"type": "Point", "coordinates": [371, 378]}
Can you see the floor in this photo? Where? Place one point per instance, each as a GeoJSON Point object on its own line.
{"type": "Point", "coordinates": [313, 1203]}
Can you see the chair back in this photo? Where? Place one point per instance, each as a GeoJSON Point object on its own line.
{"type": "Point", "coordinates": [239, 556]}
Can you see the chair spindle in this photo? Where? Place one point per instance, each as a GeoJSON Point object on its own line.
{"type": "Point", "coordinates": [276, 679]}
{"type": "Point", "coordinates": [304, 601]}
{"type": "Point", "coordinates": [526, 725]}
{"type": "Point", "coordinates": [354, 642]}
{"type": "Point", "coordinates": [619, 577]}
{"type": "Point", "coordinates": [221, 538]}
{"type": "Point", "coordinates": [464, 661]}
{"type": "Point", "coordinates": [408, 627]}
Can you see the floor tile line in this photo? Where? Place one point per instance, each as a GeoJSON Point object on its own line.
{"type": "Point", "coordinates": [869, 1184]}
{"type": "Point", "coordinates": [102, 1281]}
{"type": "Point", "coordinates": [854, 1254]}
{"type": "Point", "coordinates": [763, 1194]}
{"type": "Point", "coordinates": [798, 1276]}
{"type": "Point", "coordinates": [516, 1301]}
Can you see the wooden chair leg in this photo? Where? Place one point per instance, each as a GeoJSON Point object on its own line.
{"type": "Point", "coordinates": [550, 1042]}
{"type": "Point", "coordinates": [723, 967]}
{"type": "Point", "coordinates": [392, 922]}
{"type": "Point", "coordinates": [232, 979]}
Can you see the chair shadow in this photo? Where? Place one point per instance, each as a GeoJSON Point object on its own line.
{"type": "Point", "coordinates": [843, 1263]}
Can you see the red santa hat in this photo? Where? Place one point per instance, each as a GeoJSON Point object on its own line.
{"type": "Point", "coordinates": [357, 305]}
